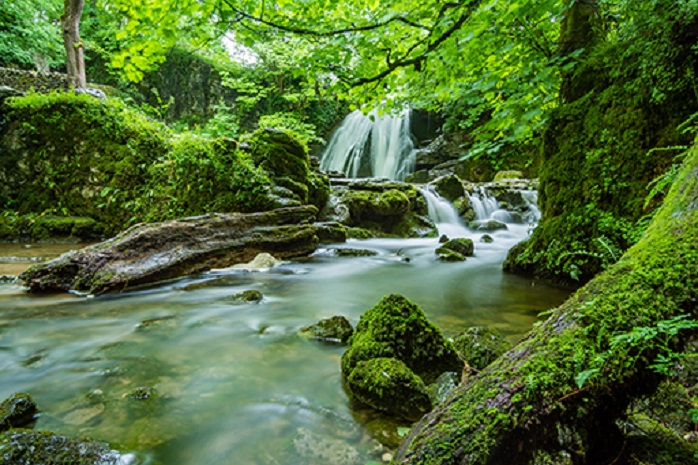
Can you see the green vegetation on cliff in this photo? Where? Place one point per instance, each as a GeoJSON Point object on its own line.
{"type": "Point", "coordinates": [74, 155]}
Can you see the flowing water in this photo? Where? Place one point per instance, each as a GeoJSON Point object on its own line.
{"type": "Point", "coordinates": [234, 383]}
{"type": "Point", "coordinates": [371, 145]}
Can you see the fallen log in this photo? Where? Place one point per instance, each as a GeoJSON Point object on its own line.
{"type": "Point", "coordinates": [555, 397]}
{"type": "Point", "coordinates": [147, 253]}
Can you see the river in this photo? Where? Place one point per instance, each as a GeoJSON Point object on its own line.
{"type": "Point", "coordinates": [233, 383]}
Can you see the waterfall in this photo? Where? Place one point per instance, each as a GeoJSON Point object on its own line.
{"type": "Point", "coordinates": [531, 199]}
{"type": "Point", "coordinates": [443, 214]}
{"type": "Point", "coordinates": [389, 153]}
{"type": "Point", "coordinates": [484, 204]}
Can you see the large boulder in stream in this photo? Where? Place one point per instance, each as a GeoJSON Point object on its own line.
{"type": "Point", "coordinates": [385, 208]}
{"type": "Point", "coordinates": [147, 253]}
{"type": "Point", "coordinates": [394, 354]}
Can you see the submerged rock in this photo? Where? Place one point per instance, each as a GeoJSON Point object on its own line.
{"type": "Point", "coordinates": [409, 348]}
{"type": "Point", "coordinates": [250, 296]}
{"type": "Point", "coordinates": [448, 255]}
{"type": "Point", "coordinates": [17, 411]}
{"type": "Point", "coordinates": [486, 238]}
{"type": "Point", "coordinates": [479, 346]}
{"type": "Point", "coordinates": [147, 253]}
{"type": "Point", "coordinates": [350, 252]}
{"type": "Point", "coordinates": [42, 447]}
{"type": "Point", "coordinates": [336, 329]}
{"type": "Point", "coordinates": [315, 448]}
{"type": "Point", "coordinates": [487, 225]}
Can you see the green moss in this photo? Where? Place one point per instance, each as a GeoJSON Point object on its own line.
{"type": "Point", "coordinates": [29, 447]}
{"type": "Point", "coordinates": [280, 154]}
{"type": "Point", "coordinates": [573, 376]}
{"type": "Point", "coordinates": [65, 228]}
{"type": "Point", "coordinates": [334, 329]}
{"type": "Point", "coordinates": [395, 327]}
{"type": "Point", "coordinates": [387, 384]}
{"type": "Point", "coordinates": [359, 233]}
{"type": "Point", "coordinates": [479, 346]}
{"type": "Point", "coordinates": [511, 174]}
{"type": "Point", "coordinates": [462, 245]}
{"type": "Point", "coordinates": [448, 255]}
{"type": "Point", "coordinates": [598, 159]}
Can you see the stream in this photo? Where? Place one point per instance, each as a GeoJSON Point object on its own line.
{"type": "Point", "coordinates": [232, 383]}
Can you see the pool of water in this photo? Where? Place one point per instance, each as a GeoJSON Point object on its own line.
{"type": "Point", "coordinates": [233, 383]}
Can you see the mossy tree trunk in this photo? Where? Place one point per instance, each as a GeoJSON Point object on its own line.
{"type": "Point", "coordinates": [578, 32]}
{"type": "Point", "coordinates": [74, 47]}
{"type": "Point", "coordinates": [556, 396]}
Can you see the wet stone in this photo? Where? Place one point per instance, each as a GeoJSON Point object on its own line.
{"type": "Point", "coordinates": [251, 296]}
{"type": "Point", "coordinates": [336, 329]}
{"type": "Point", "coordinates": [17, 411]}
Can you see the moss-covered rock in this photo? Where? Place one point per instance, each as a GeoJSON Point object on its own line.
{"type": "Point", "coordinates": [385, 208]}
{"type": "Point", "coordinates": [449, 187]}
{"type": "Point", "coordinates": [336, 329]}
{"type": "Point", "coordinates": [250, 296]}
{"type": "Point", "coordinates": [479, 346]}
{"type": "Point", "coordinates": [387, 384]}
{"type": "Point", "coordinates": [17, 411]}
{"type": "Point", "coordinates": [462, 245]}
{"type": "Point", "coordinates": [396, 327]}
{"type": "Point", "coordinates": [353, 252]}
{"type": "Point", "coordinates": [510, 174]}
{"type": "Point", "coordinates": [448, 255]}
{"type": "Point", "coordinates": [486, 225]}
{"type": "Point", "coordinates": [43, 447]}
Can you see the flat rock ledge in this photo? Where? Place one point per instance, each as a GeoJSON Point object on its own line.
{"type": "Point", "coordinates": [147, 253]}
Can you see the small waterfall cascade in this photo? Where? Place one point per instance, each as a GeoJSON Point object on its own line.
{"type": "Point", "coordinates": [531, 199]}
{"type": "Point", "coordinates": [443, 214]}
{"type": "Point", "coordinates": [379, 145]}
{"type": "Point", "coordinates": [485, 206]}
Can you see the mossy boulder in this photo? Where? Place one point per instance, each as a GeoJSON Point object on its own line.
{"type": "Point", "coordinates": [461, 245]}
{"type": "Point", "coordinates": [448, 255]}
{"type": "Point", "coordinates": [17, 411]}
{"type": "Point", "coordinates": [43, 447]}
{"type": "Point", "coordinates": [384, 208]}
{"type": "Point", "coordinates": [479, 346]}
{"type": "Point", "coordinates": [250, 296]}
{"type": "Point", "coordinates": [353, 252]}
{"type": "Point", "coordinates": [396, 328]}
{"type": "Point", "coordinates": [336, 329]}
{"type": "Point", "coordinates": [387, 384]}
{"type": "Point", "coordinates": [449, 187]}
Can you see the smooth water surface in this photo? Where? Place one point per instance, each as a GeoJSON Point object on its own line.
{"type": "Point", "coordinates": [234, 383]}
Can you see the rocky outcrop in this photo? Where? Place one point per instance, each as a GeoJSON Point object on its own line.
{"type": "Point", "coordinates": [386, 208]}
{"type": "Point", "coordinates": [148, 253]}
{"type": "Point", "coordinates": [34, 447]}
{"type": "Point", "coordinates": [394, 354]}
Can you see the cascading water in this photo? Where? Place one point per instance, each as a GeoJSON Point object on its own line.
{"type": "Point", "coordinates": [379, 145]}
{"type": "Point", "coordinates": [484, 204]}
{"type": "Point", "coordinates": [443, 214]}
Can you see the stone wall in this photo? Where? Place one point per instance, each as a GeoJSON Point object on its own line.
{"type": "Point", "coordinates": [24, 80]}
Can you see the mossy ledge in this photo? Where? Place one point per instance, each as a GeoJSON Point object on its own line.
{"type": "Point", "coordinates": [562, 388]}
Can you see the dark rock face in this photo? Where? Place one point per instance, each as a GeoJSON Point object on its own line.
{"type": "Point", "coordinates": [336, 329]}
{"type": "Point", "coordinates": [395, 337]}
{"type": "Point", "coordinates": [17, 411]}
{"type": "Point", "coordinates": [148, 253]}
{"type": "Point", "coordinates": [449, 187]}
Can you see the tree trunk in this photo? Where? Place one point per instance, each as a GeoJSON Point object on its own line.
{"type": "Point", "coordinates": [578, 31]}
{"type": "Point", "coordinates": [74, 48]}
{"type": "Point", "coordinates": [554, 398]}
{"type": "Point", "coordinates": [151, 252]}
